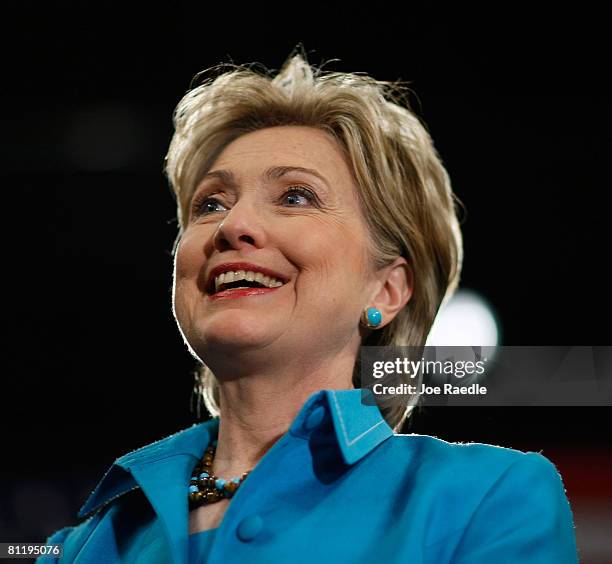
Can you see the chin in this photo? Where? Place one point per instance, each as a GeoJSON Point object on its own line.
{"type": "Point", "coordinates": [233, 330]}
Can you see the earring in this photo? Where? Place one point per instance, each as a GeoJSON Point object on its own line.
{"type": "Point", "coordinates": [371, 317]}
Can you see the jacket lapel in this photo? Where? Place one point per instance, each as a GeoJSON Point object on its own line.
{"type": "Point", "coordinates": [162, 470]}
{"type": "Point", "coordinates": [165, 485]}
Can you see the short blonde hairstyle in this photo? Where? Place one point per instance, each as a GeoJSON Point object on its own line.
{"type": "Point", "coordinates": [403, 185]}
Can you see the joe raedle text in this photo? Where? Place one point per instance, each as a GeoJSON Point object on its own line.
{"type": "Point", "coordinates": [430, 390]}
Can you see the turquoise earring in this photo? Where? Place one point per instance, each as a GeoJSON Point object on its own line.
{"type": "Point", "coordinates": [371, 317]}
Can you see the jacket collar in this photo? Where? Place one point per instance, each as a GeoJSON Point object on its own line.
{"type": "Point", "coordinates": [357, 424]}
{"type": "Point", "coordinates": [188, 444]}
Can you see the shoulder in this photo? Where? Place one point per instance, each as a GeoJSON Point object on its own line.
{"type": "Point", "coordinates": [501, 501]}
{"type": "Point", "coordinates": [479, 458]}
{"type": "Point", "coordinates": [477, 470]}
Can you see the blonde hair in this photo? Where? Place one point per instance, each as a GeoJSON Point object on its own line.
{"type": "Point", "coordinates": [403, 185]}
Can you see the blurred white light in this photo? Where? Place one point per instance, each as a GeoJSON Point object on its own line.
{"type": "Point", "coordinates": [466, 320]}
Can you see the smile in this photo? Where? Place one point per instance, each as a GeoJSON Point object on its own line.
{"type": "Point", "coordinates": [242, 283]}
{"type": "Point", "coordinates": [245, 279]}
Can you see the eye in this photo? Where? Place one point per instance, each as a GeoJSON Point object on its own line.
{"type": "Point", "coordinates": [295, 196]}
{"type": "Point", "coordinates": [203, 205]}
{"type": "Point", "coordinates": [296, 192]}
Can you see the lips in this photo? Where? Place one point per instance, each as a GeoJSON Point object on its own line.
{"type": "Point", "coordinates": [241, 292]}
{"type": "Point", "coordinates": [235, 266]}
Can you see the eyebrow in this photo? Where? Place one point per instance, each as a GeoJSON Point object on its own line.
{"type": "Point", "coordinates": [270, 174]}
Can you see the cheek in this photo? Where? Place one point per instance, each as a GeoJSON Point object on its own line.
{"type": "Point", "coordinates": [187, 266]}
{"type": "Point", "coordinates": [334, 260]}
{"type": "Point", "coordinates": [347, 274]}
{"type": "Point", "coordinates": [190, 256]}
{"type": "Point", "coordinates": [183, 266]}
{"type": "Point", "coordinates": [179, 296]}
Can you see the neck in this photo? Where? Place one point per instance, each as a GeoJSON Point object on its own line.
{"type": "Point", "coordinates": [257, 409]}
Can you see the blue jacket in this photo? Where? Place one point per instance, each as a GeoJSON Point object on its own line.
{"type": "Point", "coordinates": [338, 487]}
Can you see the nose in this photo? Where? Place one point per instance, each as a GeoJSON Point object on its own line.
{"type": "Point", "coordinates": [240, 228]}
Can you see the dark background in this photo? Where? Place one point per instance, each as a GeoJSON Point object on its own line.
{"type": "Point", "coordinates": [516, 105]}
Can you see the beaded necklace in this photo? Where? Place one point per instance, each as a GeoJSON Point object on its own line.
{"type": "Point", "coordinates": [205, 487]}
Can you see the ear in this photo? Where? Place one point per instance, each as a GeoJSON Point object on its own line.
{"type": "Point", "coordinates": [397, 286]}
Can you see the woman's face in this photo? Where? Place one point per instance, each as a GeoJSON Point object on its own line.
{"type": "Point", "coordinates": [305, 226]}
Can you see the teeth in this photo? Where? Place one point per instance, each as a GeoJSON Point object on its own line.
{"type": "Point", "coordinates": [249, 275]}
{"type": "Point", "coordinates": [219, 280]}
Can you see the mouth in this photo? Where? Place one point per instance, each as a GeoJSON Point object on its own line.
{"type": "Point", "coordinates": [242, 282]}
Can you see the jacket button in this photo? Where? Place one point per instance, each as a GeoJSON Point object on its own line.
{"type": "Point", "coordinates": [314, 418]}
{"type": "Point", "coordinates": [249, 528]}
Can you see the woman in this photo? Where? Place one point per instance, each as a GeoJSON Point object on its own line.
{"type": "Point", "coordinates": [315, 217]}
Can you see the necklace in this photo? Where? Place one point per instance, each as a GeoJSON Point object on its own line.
{"type": "Point", "coordinates": [205, 487]}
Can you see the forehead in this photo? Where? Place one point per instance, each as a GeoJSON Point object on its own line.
{"type": "Point", "coordinates": [298, 146]}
